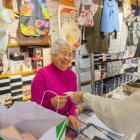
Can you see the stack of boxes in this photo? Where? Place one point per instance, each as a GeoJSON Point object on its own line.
{"type": "Point", "coordinates": [114, 68]}
{"type": "Point", "coordinates": [112, 83]}
{"type": "Point", "coordinates": [99, 87]}
{"type": "Point", "coordinates": [36, 55]}
{"type": "Point", "coordinates": [108, 85]}
{"type": "Point", "coordinates": [5, 92]}
{"type": "Point", "coordinates": [102, 57]}
{"type": "Point", "coordinates": [26, 87]}
{"type": "Point", "coordinates": [98, 57]}
{"type": "Point", "coordinates": [16, 87]}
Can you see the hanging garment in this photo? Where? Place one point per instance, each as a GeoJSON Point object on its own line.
{"type": "Point", "coordinates": [137, 53]}
{"type": "Point", "coordinates": [136, 29]}
{"type": "Point", "coordinates": [6, 17]}
{"type": "Point", "coordinates": [133, 24]}
{"type": "Point", "coordinates": [34, 18]}
{"type": "Point", "coordinates": [119, 44]}
{"type": "Point", "coordinates": [85, 13]}
{"type": "Point", "coordinates": [110, 17]}
{"type": "Point", "coordinates": [126, 8]}
{"type": "Point", "coordinates": [130, 30]}
{"type": "Point", "coordinates": [96, 41]}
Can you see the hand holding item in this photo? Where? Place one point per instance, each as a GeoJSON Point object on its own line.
{"type": "Point", "coordinates": [58, 101]}
{"type": "Point", "coordinates": [77, 96]}
{"type": "Point", "coordinates": [73, 121]}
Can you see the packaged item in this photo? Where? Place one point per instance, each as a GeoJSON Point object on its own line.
{"type": "Point", "coordinates": [35, 52]}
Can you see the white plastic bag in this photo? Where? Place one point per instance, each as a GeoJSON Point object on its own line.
{"type": "Point", "coordinates": [29, 116]}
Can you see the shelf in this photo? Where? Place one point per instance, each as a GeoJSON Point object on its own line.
{"type": "Point", "coordinates": [13, 45]}
{"type": "Point", "coordinates": [97, 62]}
{"type": "Point", "coordinates": [85, 83]}
{"type": "Point", "coordinates": [111, 76]}
{"type": "Point", "coordinates": [12, 74]}
{"type": "Point", "coordinates": [28, 44]}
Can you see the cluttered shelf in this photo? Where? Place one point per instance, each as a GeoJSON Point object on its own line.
{"type": "Point", "coordinates": [98, 62]}
{"type": "Point", "coordinates": [103, 78]}
{"type": "Point", "coordinates": [21, 73]}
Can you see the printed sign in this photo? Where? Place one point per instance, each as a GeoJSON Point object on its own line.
{"type": "Point", "coordinates": [68, 27]}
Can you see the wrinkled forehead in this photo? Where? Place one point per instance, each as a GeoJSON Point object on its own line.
{"type": "Point", "coordinates": [65, 48]}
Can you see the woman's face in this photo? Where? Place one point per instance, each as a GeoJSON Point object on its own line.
{"type": "Point", "coordinates": [63, 58]}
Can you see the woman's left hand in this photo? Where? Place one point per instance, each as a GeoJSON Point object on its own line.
{"type": "Point", "coordinates": [73, 121]}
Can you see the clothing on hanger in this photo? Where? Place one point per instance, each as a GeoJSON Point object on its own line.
{"type": "Point", "coordinates": [110, 17]}
{"type": "Point", "coordinates": [96, 41]}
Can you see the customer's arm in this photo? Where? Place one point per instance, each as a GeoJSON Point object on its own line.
{"type": "Point", "coordinates": [72, 109]}
{"type": "Point", "coordinates": [121, 116]}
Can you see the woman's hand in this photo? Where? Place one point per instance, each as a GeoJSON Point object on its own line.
{"type": "Point", "coordinates": [77, 97]}
{"type": "Point", "coordinates": [71, 120]}
{"type": "Point", "coordinates": [61, 101]}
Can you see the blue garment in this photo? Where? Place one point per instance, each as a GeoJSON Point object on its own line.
{"type": "Point", "coordinates": [110, 17]}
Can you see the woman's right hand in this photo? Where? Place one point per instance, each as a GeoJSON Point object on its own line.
{"type": "Point", "coordinates": [77, 96]}
{"type": "Point", "coordinates": [62, 101]}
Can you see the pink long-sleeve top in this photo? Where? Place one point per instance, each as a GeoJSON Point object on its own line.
{"type": "Point", "coordinates": [51, 78]}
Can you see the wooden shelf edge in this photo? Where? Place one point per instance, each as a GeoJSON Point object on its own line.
{"type": "Point", "coordinates": [98, 62]}
{"type": "Point", "coordinates": [12, 74]}
{"type": "Point", "coordinates": [28, 44]}
{"type": "Point", "coordinates": [13, 45]}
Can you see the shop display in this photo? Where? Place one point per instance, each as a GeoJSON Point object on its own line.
{"type": "Point", "coordinates": [113, 68]}
{"type": "Point", "coordinates": [107, 34]}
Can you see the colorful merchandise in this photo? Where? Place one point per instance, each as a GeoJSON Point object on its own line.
{"type": "Point", "coordinates": [34, 18]}
{"type": "Point", "coordinates": [68, 27]}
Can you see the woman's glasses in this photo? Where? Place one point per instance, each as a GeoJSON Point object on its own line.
{"type": "Point", "coordinates": [66, 54]}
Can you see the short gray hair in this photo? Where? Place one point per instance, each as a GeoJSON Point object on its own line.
{"type": "Point", "coordinates": [58, 44]}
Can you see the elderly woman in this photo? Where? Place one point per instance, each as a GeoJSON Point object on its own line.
{"type": "Point", "coordinates": [53, 81]}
